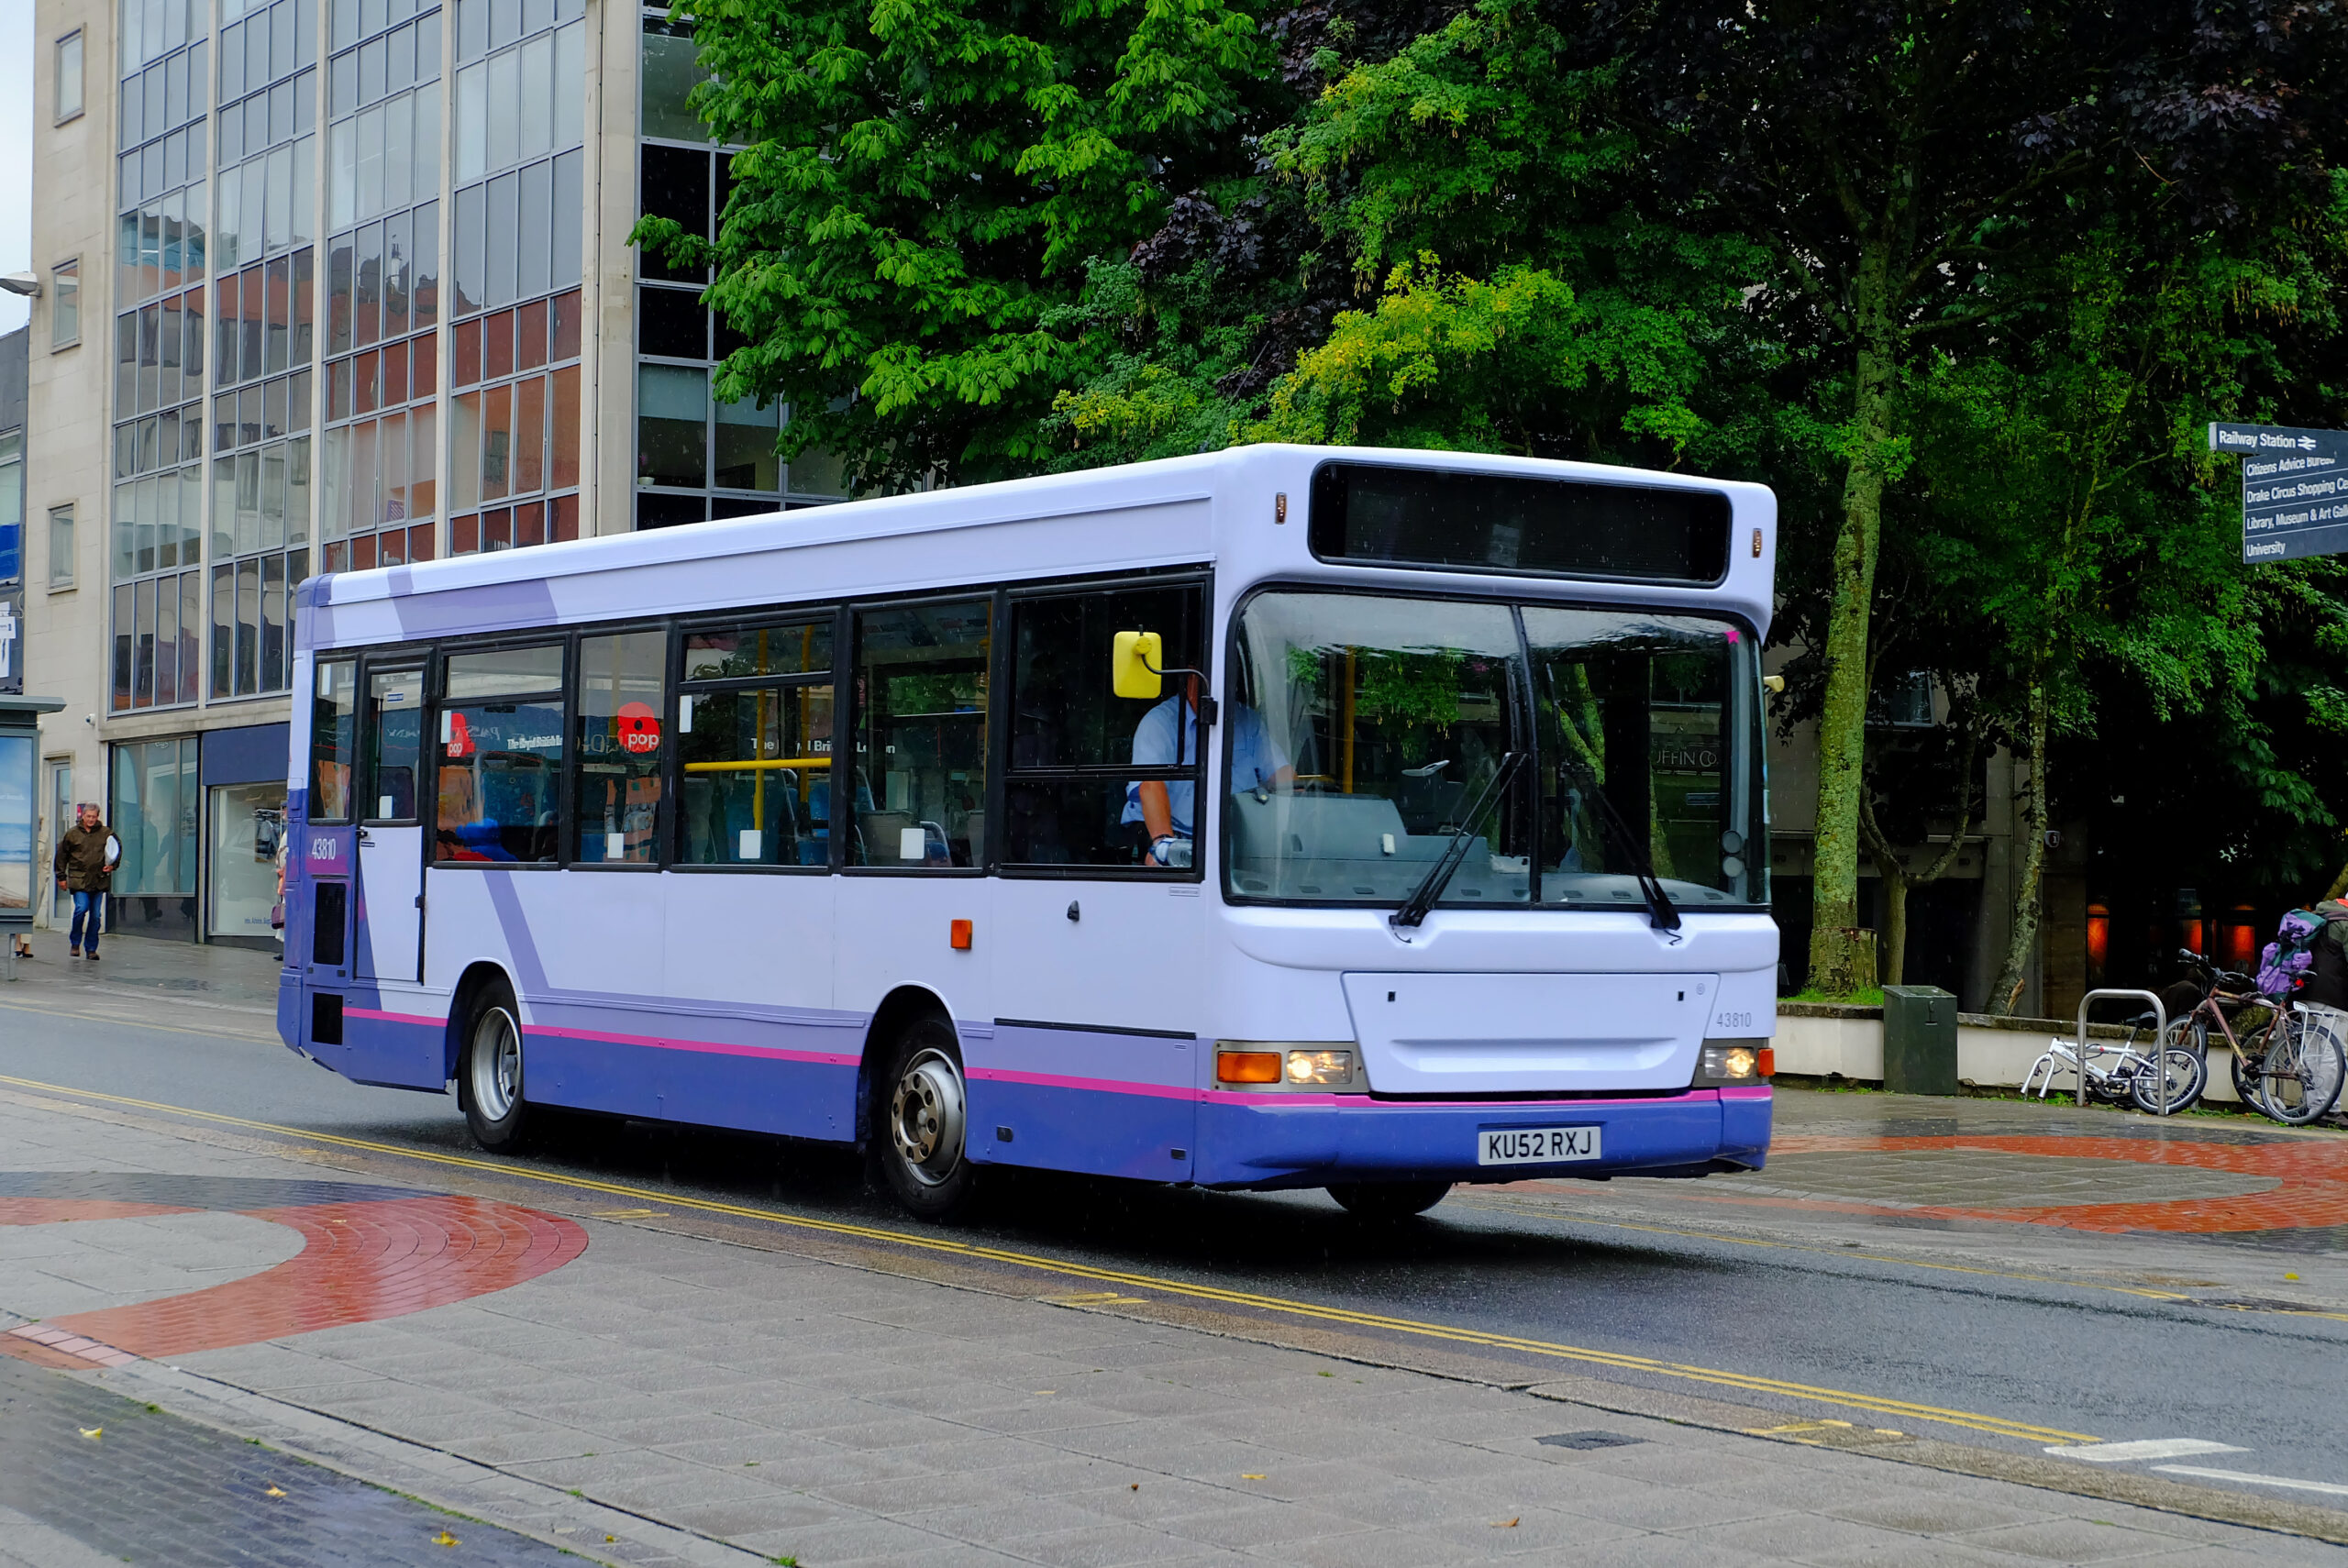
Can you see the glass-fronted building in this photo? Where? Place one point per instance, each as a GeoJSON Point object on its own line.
{"type": "Point", "coordinates": [327, 285]}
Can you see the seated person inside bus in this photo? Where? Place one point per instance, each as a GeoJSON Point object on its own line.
{"type": "Point", "coordinates": [1168, 735]}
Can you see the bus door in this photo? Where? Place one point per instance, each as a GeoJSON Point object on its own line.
{"type": "Point", "coordinates": [391, 834]}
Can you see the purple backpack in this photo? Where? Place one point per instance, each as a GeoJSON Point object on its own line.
{"type": "Point", "coordinates": [2283, 968]}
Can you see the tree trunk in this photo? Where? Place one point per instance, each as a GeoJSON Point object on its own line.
{"type": "Point", "coordinates": [2007, 992]}
{"type": "Point", "coordinates": [1837, 965]}
{"type": "Point", "coordinates": [1895, 930]}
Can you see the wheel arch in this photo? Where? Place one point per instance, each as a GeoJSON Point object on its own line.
{"type": "Point", "coordinates": [478, 977]}
{"type": "Point", "coordinates": [897, 1010]}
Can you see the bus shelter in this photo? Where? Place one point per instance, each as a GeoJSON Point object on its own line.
{"type": "Point", "coordinates": [19, 817]}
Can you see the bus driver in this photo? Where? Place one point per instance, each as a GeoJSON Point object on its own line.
{"type": "Point", "coordinates": [1167, 811]}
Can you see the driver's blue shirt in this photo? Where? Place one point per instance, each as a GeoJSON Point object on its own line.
{"type": "Point", "coordinates": [1256, 760]}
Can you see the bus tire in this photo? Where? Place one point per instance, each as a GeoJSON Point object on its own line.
{"type": "Point", "coordinates": [921, 1119]}
{"type": "Point", "coordinates": [1389, 1199]}
{"type": "Point", "coordinates": [490, 1073]}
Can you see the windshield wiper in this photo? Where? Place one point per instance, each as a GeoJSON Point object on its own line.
{"type": "Point", "coordinates": [1661, 913]}
{"type": "Point", "coordinates": [1414, 909]}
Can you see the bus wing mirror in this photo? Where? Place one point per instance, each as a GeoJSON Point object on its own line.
{"type": "Point", "coordinates": [1135, 660]}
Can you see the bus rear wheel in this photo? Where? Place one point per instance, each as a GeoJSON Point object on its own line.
{"type": "Point", "coordinates": [922, 1116]}
{"type": "Point", "coordinates": [1390, 1199]}
{"type": "Point", "coordinates": [489, 1072]}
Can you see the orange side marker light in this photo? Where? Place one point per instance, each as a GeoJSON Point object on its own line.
{"type": "Point", "coordinates": [1247, 1067]}
{"type": "Point", "coordinates": [1767, 1066]}
{"type": "Point", "coordinates": [958, 935]}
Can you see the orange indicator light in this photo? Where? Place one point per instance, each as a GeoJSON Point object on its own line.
{"type": "Point", "coordinates": [958, 935]}
{"type": "Point", "coordinates": [1247, 1067]}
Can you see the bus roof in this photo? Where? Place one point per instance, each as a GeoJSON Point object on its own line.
{"type": "Point", "coordinates": [1217, 508]}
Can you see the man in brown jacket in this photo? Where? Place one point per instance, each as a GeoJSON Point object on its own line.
{"type": "Point", "coordinates": [84, 867]}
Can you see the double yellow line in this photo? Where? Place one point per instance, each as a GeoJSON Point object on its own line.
{"type": "Point", "coordinates": [1281, 1305]}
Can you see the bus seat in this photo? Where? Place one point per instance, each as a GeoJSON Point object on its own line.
{"type": "Point", "coordinates": [1318, 827]}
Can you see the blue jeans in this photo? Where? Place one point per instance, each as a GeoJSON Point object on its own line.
{"type": "Point", "coordinates": [91, 907]}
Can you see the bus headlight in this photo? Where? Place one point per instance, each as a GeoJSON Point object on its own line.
{"type": "Point", "coordinates": [1320, 1066]}
{"type": "Point", "coordinates": [1731, 1062]}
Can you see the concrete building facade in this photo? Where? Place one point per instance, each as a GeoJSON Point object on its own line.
{"type": "Point", "coordinates": [329, 284]}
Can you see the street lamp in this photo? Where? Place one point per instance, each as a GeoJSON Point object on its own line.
{"type": "Point", "coordinates": [25, 283]}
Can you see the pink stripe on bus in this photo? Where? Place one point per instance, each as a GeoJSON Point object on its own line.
{"type": "Point", "coordinates": [393, 1017]}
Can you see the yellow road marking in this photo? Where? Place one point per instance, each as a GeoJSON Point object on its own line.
{"type": "Point", "coordinates": [1311, 1310]}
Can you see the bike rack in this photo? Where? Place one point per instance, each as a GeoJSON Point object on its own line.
{"type": "Point", "coordinates": [2160, 1039]}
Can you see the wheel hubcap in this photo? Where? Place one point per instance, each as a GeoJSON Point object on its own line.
{"type": "Point", "coordinates": [496, 1065]}
{"type": "Point", "coordinates": [926, 1117]}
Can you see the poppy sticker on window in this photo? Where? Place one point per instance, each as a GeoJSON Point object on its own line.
{"type": "Point", "coordinates": [640, 729]}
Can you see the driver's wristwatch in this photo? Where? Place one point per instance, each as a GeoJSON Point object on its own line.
{"type": "Point", "coordinates": [1158, 847]}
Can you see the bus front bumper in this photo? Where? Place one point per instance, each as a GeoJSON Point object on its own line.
{"type": "Point", "coordinates": [1291, 1141]}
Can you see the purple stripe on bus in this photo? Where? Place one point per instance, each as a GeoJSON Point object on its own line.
{"type": "Point", "coordinates": [515, 926]}
{"type": "Point", "coordinates": [709, 1047]}
{"type": "Point", "coordinates": [488, 607]}
{"type": "Point", "coordinates": [1093, 1085]}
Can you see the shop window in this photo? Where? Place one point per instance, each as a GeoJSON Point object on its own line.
{"type": "Point", "coordinates": [246, 821]}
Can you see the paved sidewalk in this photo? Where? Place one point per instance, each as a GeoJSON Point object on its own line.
{"type": "Point", "coordinates": [659, 1396]}
{"type": "Point", "coordinates": [142, 980]}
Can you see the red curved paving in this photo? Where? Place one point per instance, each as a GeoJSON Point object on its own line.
{"type": "Point", "coordinates": [2313, 1173]}
{"type": "Point", "coordinates": [362, 1262]}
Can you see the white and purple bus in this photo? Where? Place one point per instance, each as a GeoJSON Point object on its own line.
{"type": "Point", "coordinates": [1284, 817]}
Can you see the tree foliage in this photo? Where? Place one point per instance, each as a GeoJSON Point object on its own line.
{"type": "Point", "coordinates": [923, 185]}
{"type": "Point", "coordinates": [1962, 281]}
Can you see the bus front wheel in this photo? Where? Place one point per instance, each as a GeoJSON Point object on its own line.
{"type": "Point", "coordinates": [923, 1116]}
{"type": "Point", "coordinates": [1390, 1199]}
{"type": "Point", "coordinates": [489, 1075]}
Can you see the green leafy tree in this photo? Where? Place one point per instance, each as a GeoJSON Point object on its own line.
{"type": "Point", "coordinates": [1897, 161]}
{"type": "Point", "coordinates": [922, 186]}
{"type": "Point", "coordinates": [1482, 180]}
{"type": "Point", "coordinates": [2073, 508]}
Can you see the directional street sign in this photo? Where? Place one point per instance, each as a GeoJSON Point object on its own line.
{"type": "Point", "coordinates": [2293, 488]}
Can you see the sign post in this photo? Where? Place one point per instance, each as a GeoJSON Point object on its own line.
{"type": "Point", "coordinates": [2293, 488]}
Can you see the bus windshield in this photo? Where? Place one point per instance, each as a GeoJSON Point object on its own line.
{"type": "Point", "coordinates": [1371, 725]}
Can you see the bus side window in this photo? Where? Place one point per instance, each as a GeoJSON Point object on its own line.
{"type": "Point", "coordinates": [395, 725]}
{"type": "Point", "coordinates": [620, 755]}
{"type": "Point", "coordinates": [1089, 772]}
{"type": "Point", "coordinates": [334, 738]}
{"type": "Point", "coordinates": [499, 759]}
{"type": "Point", "coordinates": [754, 737]}
{"type": "Point", "coordinates": [921, 740]}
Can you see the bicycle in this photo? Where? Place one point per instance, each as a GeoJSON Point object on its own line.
{"type": "Point", "coordinates": [2290, 1059]}
{"type": "Point", "coordinates": [2298, 1072]}
{"type": "Point", "coordinates": [2130, 1074]}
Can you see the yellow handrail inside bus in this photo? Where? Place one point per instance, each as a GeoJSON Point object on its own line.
{"type": "Point", "coordinates": [760, 766]}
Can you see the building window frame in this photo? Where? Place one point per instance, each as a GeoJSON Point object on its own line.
{"type": "Point", "coordinates": [69, 75]}
{"type": "Point", "coordinates": [65, 305]}
{"type": "Point", "coordinates": [61, 548]}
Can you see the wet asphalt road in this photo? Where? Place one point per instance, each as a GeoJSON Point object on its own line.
{"type": "Point", "coordinates": [2070, 1358]}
